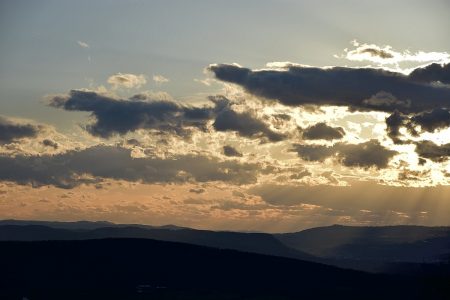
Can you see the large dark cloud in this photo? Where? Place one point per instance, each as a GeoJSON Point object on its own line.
{"type": "Point", "coordinates": [365, 155]}
{"type": "Point", "coordinates": [356, 88]}
{"type": "Point", "coordinates": [11, 131]}
{"type": "Point", "coordinates": [67, 170]}
{"type": "Point", "coordinates": [432, 72]}
{"type": "Point", "coordinates": [429, 121]}
{"type": "Point", "coordinates": [437, 153]}
{"type": "Point", "coordinates": [114, 116]}
{"type": "Point", "coordinates": [321, 131]}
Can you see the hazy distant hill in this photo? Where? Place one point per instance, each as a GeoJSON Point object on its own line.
{"type": "Point", "coordinates": [82, 224]}
{"type": "Point", "coordinates": [387, 243]}
{"type": "Point", "coordinates": [149, 269]}
{"type": "Point", "coordinates": [250, 242]}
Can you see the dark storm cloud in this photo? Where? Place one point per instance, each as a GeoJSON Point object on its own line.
{"type": "Point", "coordinates": [364, 155]}
{"type": "Point", "coordinates": [322, 131]}
{"type": "Point", "coordinates": [437, 153]}
{"type": "Point", "coordinates": [67, 170]}
{"type": "Point", "coordinates": [114, 116]}
{"type": "Point", "coordinates": [356, 88]}
{"type": "Point", "coordinates": [231, 151]}
{"type": "Point", "coordinates": [432, 72]}
{"type": "Point", "coordinates": [429, 121]}
{"type": "Point", "coordinates": [244, 123]}
{"type": "Point", "coordinates": [11, 131]}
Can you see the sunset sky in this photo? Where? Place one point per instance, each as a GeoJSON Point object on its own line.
{"type": "Point", "coordinates": [256, 115]}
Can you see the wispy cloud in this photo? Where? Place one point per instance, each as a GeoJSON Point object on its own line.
{"type": "Point", "coordinates": [160, 79]}
{"type": "Point", "coordinates": [83, 44]}
{"type": "Point", "coordinates": [129, 81]}
{"type": "Point", "coordinates": [386, 55]}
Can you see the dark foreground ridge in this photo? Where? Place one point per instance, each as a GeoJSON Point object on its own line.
{"type": "Point", "coordinates": [150, 269]}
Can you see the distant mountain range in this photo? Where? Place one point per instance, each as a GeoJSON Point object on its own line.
{"type": "Point", "coordinates": [375, 249]}
{"type": "Point", "coordinates": [388, 243]}
{"type": "Point", "coordinates": [83, 224]}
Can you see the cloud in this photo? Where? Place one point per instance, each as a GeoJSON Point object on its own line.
{"type": "Point", "coordinates": [231, 151]}
{"type": "Point", "coordinates": [12, 131]}
{"type": "Point", "coordinates": [321, 131]}
{"type": "Point", "coordinates": [428, 121]}
{"type": "Point", "coordinates": [356, 88]}
{"type": "Point", "coordinates": [313, 152]}
{"type": "Point", "coordinates": [152, 95]}
{"type": "Point", "coordinates": [129, 81]}
{"type": "Point", "coordinates": [432, 73]}
{"type": "Point", "coordinates": [374, 52]}
{"type": "Point", "coordinates": [116, 116]}
{"type": "Point", "coordinates": [83, 44]}
{"type": "Point", "coordinates": [300, 175]}
{"type": "Point", "coordinates": [197, 191]}
{"type": "Point", "coordinates": [384, 99]}
{"type": "Point", "coordinates": [160, 79]}
{"type": "Point", "coordinates": [91, 165]}
{"type": "Point", "coordinates": [386, 55]}
{"type": "Point", "coordinates": [393, 124]}
{"type": "Point", "coordinates": [437, 153]}
{"type": "Point", "coordinates": [50, 143]}
{"type": "Point", "coordinates": [245, 124]}
{"type": "Point", "coordinates": [364, 155]}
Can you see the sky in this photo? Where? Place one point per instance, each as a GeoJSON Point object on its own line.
{"type": "Point", "coordinates": [263, 115]}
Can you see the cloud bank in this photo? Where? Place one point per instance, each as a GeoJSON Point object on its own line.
{"type": "Point", "coordinates": [90, 165]}
{"type": "Point", "coordinates": [357, 88]}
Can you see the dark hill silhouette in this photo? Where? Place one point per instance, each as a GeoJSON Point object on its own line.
{"type": "Point", "coordinates": [249, 242]}
{"type": "Point", "coordinates": [149, 269]}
